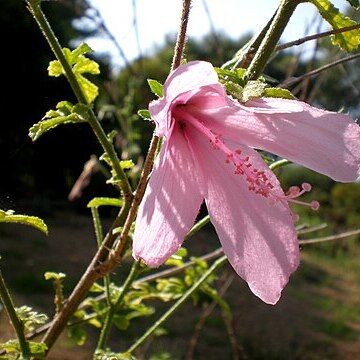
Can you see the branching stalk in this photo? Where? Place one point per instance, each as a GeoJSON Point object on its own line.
{"type": "Point", "coordinates": [215, 266]}
{"type": "Point", "coordinates": [99, 266]}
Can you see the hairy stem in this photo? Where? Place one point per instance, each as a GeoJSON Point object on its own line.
{"type": "Point", "coordinates": [181, 38]}
{"type": "Point", "coordinates": [15, 321]}
{"type": "Point", "coordinates": [281, 19]}
{"type": "Point", "coordinates": [215, 266]}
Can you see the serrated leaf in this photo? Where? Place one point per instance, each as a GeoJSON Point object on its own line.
{"type": "Point", "coordinates": [85, 65]}
{"type": "Point", "coordinates": [65, 113]}
{"type": "Point", "coordinates": [156, 87]}
{"type": "Point", "coordinates": [91, 91]}
{"type": "Point", "coordinates": [80, 65]}
{"type": "Point", "coordinates": [127, 164]}
{"type": "Point", "coordinates": [105, 201]}
{"type": "Point", "coordinates": [10, 217]}
{"type": "Point", "coordinates": [82, 49]}
{"type": "Point", "coordinates": [279, 93]}
{"type": "Point", "coordinates": [30, 318]}
{"type": "Point", "coordinates": [347, 41]}
{"type": "Point", "coordinates": [43, 126]}
{"type": "Point", "coordinates": [145, 114]}
{"type": "Point", "coordinates": [55, 69]}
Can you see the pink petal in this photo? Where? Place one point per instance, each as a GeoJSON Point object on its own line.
{"type": "Point", "coordinates": [188, 77]}
{"type": "Point", "coordinates": [258, 238]}
{"type": "Point", "coordinates": [324, 141]}
{"type": "Point", "coordinates": [170, 205]}
{"type": "Point", "coordinates": [185, 78]}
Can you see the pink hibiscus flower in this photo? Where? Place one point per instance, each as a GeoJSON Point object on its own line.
{"type": "Point", "coordinates": [208, 153]}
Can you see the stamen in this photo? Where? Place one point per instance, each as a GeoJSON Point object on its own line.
{"type": "Point", "coordinates": [258, 181]}
{"type": "Point", "coordinates": [295, 192]}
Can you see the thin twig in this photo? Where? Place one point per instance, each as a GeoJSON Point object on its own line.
{"type": "Point", "coordinates": [330, 238]}
{"type": "Point", "coordinates": [289, 82]}
{"type": "Point", "coordinates": [306, 230]}
{"type": "Point", "coordinates": [102, 25]}
{"type": "Point", "coordinates": [316, 36]}
{"type": "Point", "coordinates": [209, 308]}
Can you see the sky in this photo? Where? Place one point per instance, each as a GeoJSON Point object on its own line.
{"type": "Point", "coordinates": [157, 18]}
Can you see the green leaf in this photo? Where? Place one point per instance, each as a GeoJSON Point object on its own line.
{"type": "Point", "coordinates": [95, 322]}
{"type": "Point", "coordinates": [73, 56]}
{"type": "Point", "coordinates": [127, 164]}
{"type": "Point", "coordinates": [77, 334]}
{"type": "Point", "coordinates": [145, 114]}
{"type": "Point", "coordinates": [65, 113]}
{"type": "Point", "coordinates": [278, 93]}
{"type": "Point", "coordinates": [105, 201]}
{"type": "Point", "coordinates": [30, 318]}
{"type": "Point", "coordinates": [10, 217]}
{"type": "Point", "coordinates": [10, 346]}
{"type": "Point", "coordinates": [121, 322]}
{"type": "Point", "coordinates": [55, 68]}
{"type": "Point", "coordinates": [54, 276]}
{"type": "Point", "coordinates": [37, 349]}
{"type": "Point", "coordinates": [80, 65]}
{"type": "Point", "coordinates": [234, 89]}
{"type": "Point", "coordinates": [156, 87]}
{"type": "Point", "coordinates": [91, 91]}
{"type": "Point", "coordinates": [347, 41]}
{"type": "Point", "coordinates": [85, 65]}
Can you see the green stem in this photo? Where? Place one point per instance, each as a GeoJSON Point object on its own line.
{"type": "Point", "coordinates": [15, 321]}
{"type": "Point", "coordinates": [278, 164]}
{"type": "Point", "coordinates": [216, 265]}
{"type": "Point", "coordinates": [105, 332]}
{"type": "Point", "coordinates": [35, 9]}
{"type": "Point", "coordinates": [281, 19]}
{"type": "Point", "coordinates": [99, 238]}
{"type": "Point", "coordinates": [199, 225]}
